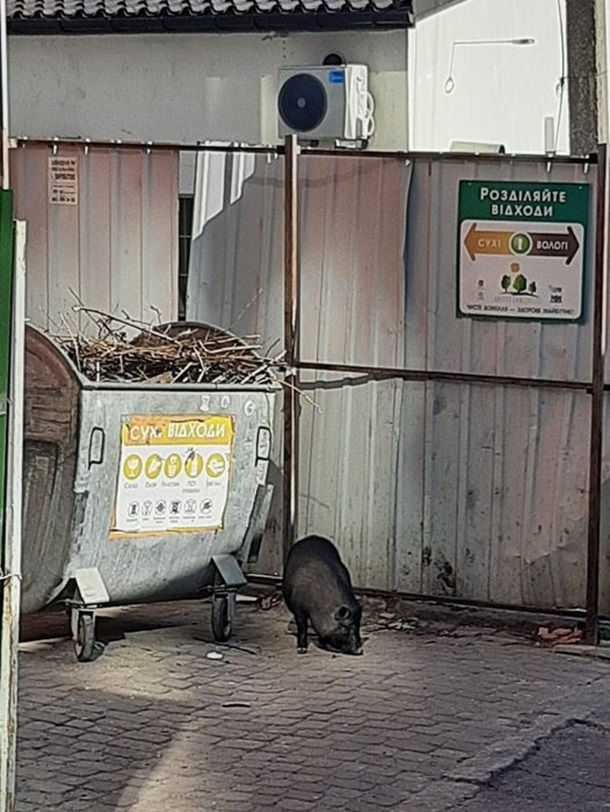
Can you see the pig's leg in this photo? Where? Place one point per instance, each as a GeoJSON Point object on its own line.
{"type": "Point", "coordinates": [301, 621]}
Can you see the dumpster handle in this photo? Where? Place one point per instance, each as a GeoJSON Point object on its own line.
{"type": "Point", "coordinates": [263, 444]}
{"type": "Point", "coordinates": [97, 446]}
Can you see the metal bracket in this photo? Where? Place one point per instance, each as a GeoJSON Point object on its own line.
{"type": "Point", "coordinates": [229, 571]}
{"type": "Point", "coordinates": [91, 587]}
{"type": "Point", "coordinates": [258, 521]}
{"type": "Point", "coordinates": [97, 445]}
{"type": "Point", "coordinates": [263, 444]}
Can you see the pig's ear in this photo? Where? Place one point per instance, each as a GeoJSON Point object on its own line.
{"type": "Point", "coordinates": [343, 614]}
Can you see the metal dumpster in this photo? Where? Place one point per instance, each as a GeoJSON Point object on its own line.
{"type": "Point", "coordinates": [139, 492]}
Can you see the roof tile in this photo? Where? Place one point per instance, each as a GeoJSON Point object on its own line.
{"type": "Point", "coordinates": [206, 14]}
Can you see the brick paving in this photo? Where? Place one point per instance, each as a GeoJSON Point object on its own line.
{"type": "Point", "coordinates": [417, 724]}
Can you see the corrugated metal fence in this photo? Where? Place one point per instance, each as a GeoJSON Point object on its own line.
{"type": "Point", "coordinates": [102, 224]}
{"type": "Point", "coordinates": [432, 487]}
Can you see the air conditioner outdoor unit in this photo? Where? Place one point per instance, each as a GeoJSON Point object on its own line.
{"type": "Point", "coordinates": [325, 102]}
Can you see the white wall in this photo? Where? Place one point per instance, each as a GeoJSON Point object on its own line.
{"type": "Point", "coordinates": [185, 88]}
{"type": "Point", "coordinates": [603, 10]}
{"type": "Point", "coordinates": [502, 92]}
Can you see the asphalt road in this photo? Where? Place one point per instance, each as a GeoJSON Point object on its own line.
{"type": "Point", "coordinates": [568, 772]}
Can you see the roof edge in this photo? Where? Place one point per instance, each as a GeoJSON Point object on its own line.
{"type": "Point", "coordinates": [390, 19]}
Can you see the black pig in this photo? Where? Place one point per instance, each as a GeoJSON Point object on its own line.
{"type": "Point", "coordinates": [318, 587]}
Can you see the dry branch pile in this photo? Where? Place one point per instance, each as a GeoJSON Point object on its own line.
{"type": "Point", "coordinates": [170, 354]}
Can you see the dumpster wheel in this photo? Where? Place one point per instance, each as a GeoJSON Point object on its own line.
{"type": "Point", "coordinates": [222, 617]}
{"type": "Point", "coordinates": [84, 639]}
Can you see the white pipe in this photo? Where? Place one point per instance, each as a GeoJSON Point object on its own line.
{"type": "Point", "coordinates": [602, 52]}
{"type": "Point", "coordinates": [11, 576]}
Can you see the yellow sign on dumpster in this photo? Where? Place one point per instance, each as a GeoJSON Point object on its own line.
{"type": "Point", "coordinates": [174, 473]}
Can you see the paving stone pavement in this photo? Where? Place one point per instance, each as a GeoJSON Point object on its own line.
{"type": "Point", "coordinates": [417, 724]}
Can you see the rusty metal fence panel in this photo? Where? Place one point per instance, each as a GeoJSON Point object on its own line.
{"type": "Point", "coordinates": [604, 570]}
{"type": "Point", "coordinates": [495, 477]}
{"type": "Point", "coordinates": [351, 310]}
{"type": "Point", "coordinates": [501, 347]}
{"type": "Point", "coordinates": [433, 487]}
{"type": "Point", "coordinates": [103, 223]}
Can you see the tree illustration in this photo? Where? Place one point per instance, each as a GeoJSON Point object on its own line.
{"type": "Point", "coordinates": [532, 288]}
{"type": "Point", "coordinates": [505, 282]}
{"type": "Point", "coordinates": [520, 284]}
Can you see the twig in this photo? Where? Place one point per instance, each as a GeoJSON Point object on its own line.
{"type": "Point", "coordinates": [126, 322]}
{"type": "Point", "coordinates": [74, 342]}
{"type": "Point", "coordinates": [246, 308]}
{"type": "Point", "coordinates": [302, 394]}
{"type": "Point", "coordinates": [158, 313]}
{"type": "Point", "coordinates": [81, 303]}
{"type": "Point", "coordinates": [51, 321]}
{"type": "Point", "coordinates": [194, 355]}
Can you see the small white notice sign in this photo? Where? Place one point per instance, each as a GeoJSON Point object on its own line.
{"type": "Point", "coordinates": [63, 180]}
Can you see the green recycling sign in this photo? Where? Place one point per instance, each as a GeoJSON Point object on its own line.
{"type": "Point", "coordinates": [521, 249]}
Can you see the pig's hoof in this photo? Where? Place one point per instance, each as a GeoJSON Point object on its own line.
{"type": "Point", "coordinates": [301, 651]}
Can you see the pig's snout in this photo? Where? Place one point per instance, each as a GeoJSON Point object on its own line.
{"type": "Point", "coordinates": [354, 646]}
{"type": "Point", "coordinates": [357, 648]}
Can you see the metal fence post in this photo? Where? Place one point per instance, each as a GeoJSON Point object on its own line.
{"type": "Point", "coordinates": [291, 295]}
{"type": "Point", "coordinates": [597, 404]}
